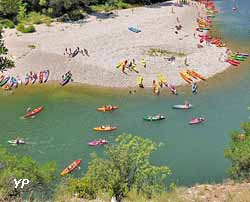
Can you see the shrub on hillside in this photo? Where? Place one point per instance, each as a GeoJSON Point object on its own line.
{"type": "Point", "coordinates": [5, 23]}
{"type": "Point", "coordinates": [25, 28]}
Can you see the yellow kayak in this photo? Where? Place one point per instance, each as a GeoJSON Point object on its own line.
{"type": "Point", "coordinates": [105, 128]}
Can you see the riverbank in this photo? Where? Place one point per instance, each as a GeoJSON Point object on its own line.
{"type": "Point", "coordinates": [108, 42]}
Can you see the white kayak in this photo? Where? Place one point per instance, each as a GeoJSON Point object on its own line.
{"type": "Point", "coordinates": [16, 142]}
{"type": "Point", "coordinates": [182, 106]}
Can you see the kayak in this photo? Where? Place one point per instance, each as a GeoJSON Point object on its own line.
{"type": "Point", "coordinates": [187, 79]}
{"type": "Point", "coordinates": [134, 29]}
{"type": "Point", "coordinates": [182, 106]}
{"type": "Point", "coordinates": [33, 112]}
{"type": "Point", "coordinates": [153, 118]}
{"type": "Point", "coordinates": [14, 142]}
{"type": "Point", "coordinates": [107, 108]}
{"type": "Point", "coordinates": [26, 80]}
{"type": "Point", "coordinates": [71, 167]}
{"type": "Point", "coordinates": [46, 75]}
{"type": "Point", "coordinates": [4, 81]}
{"type": "Point", "coordinates": [172, 89]}
{"type": "Point", "coordinates": [105, 128]}
{"type": "Point", "coordinates": [6, 87]}
{"type": "Point", "coordinates": [1, 78]}
{"type": "Point", "coordinates": [197, 120]}
{"type": "Point", "coordinates": [41, 77]}
{"type": "Point", "coordinates": [194, 88]}
{"type": "Point", "coordinates": [65, 80]}
{"type": "Point", "coordinates": [237, 58]}
{"type": "Point", "coordinates": [34, 78]}
{"type": "Point", "coordinates": [195, 74]}
{"type": "Point", "coordinates": [97, 142]}
{"type": "Point", "coordinates": [243, 54]}
{"type": "Point", "coordinates": [14, 82]}
{"type": "Point", "coordinates": [233, 62]}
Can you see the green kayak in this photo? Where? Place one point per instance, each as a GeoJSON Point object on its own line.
{"type": "Point", "coordinates": [154, 118]}
{"type": "Point", "coordinates": [237, 58]}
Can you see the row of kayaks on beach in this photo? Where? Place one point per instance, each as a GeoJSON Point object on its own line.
{"type": "Point", "coordinates": [9, 82]}
{"type": "Point", "coordinates": [189, 76]}
{"type": "Point", "coordinates": [235, 58]}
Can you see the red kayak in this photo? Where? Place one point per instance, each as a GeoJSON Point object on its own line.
{"type": "Point", "coordinates": [71, 167]}
{"type": "Point", "coordinates": [233, 62]}
{"type": "Point", "coordinates": [41, 77]}
{"type": "Point", "coordinates": [197, 120]}
{"type": "Point", "coordinates": [33, 112]}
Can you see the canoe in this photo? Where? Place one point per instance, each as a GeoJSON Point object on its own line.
{"type": "Point", "coordinates": [134, 29]}
{"type": "Point", "coordinates": [4, 81]}
{"type": "Point", "coordinates": [233, 62]}
{"type": "Point", "coordinates": [14, 142]}
{"type": "Point", "coordinates": [182, 106]}
{"type": "Point", "coordinates": [33, 112]}
{"type": "Point", "coordinates": [65, 80]}
{"type": "Point", "coordinates": [97, 142]}
{"type": "Point", "coordinates": [1, 78]}
{"type": "Point", "coordinates": [34, 78]}
{"type": "Point", "coordinates": [185, 78]}
{"type": "Point", "coordinates": [195, 74]}
{"type": "Point", "coordinates": [26, 80]}
{"type": "Point", "coordinates": [154, 118]}
{"type": "Point", "coordinates": [107, 108]}
{"type": "Point", "coordinates": [41, 77]}
{"type": "Point", "coordinates": [71, 167]}
{"type": "Point", "coordinates": [172, 89]}
{"type": "Point", "coordinates": [105, 128]}
{"type": "Point", "coordinates": [197, 120]}
{"type": "Point", "coordinates": [46, 75]}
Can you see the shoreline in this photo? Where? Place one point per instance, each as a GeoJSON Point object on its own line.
{"type": "Point", "coordinates": [116, 43]}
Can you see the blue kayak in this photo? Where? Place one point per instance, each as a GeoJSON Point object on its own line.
{"type": "Point", "coordinates": [134, 29]}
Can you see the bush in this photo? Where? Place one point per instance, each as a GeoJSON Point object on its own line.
{"type": "Point", "coordinates": [5, 23]}
{"type": "Point", "coordinates": [36, 18]}
{"type": "Point", "coordinates": [25, 29]}
{"type": "Point", "coordinates": [77, 14]}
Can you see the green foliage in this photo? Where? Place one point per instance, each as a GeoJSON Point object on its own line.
{"type": "Point", "coordinates": [238, 153]}
{"type": "Point", "coordinates": [15, 167]}
{"type": "Point", "coordinates": [126, 167]}
{"type": "Point", "coordinates": [22, 12]}
{"type": "Point", "coordinates": [76, 14]}
{"type": "Point", "coordinates": [5, 23]}
{"type": "Point", "coordinates": [4, 61]}
{"type": "Point", "coordinates": [25, 28]}
{"type": "Point", "coordinates": [9, 8]}
{"type": "Point", "coordinates": [111, 5]}
{"type": "Point", "coordinates": [161, 52]}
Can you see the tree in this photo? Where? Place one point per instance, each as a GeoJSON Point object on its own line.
{"type": "Point", "coordinates": [9, 8]}
{"type": "Point", "coordinates": [4, 61]}
{"type": "Point", "coordinates": [15, 167]}
{"type": "Point", "coordinates": [238, 153]}
{"type": "Point", "coordinates": [126, 167]}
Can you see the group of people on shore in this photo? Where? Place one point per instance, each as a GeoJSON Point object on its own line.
{"type": "Point", "coordinates": [71, 54]}
{"type": "Point", "coordinates": [130, 65]}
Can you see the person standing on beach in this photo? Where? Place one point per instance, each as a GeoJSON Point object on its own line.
{"type": "Point", "coordinates": [143, 62]}
{"type": "Point", "coordinates": [140, 81]}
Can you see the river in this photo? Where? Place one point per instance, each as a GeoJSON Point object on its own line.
{"type": "Point", "coordinates": [193, 153]}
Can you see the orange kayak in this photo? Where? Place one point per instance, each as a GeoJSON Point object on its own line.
{"type": "Point", "coordinates": [107, 108]}
{"type": "Point", "coordinates": [71, 167]}
{"type": "Point", "coordinates": [105, 128]}
{"type": "Point", "coordinates": [186, 78]}
{"type": "Point", "coordinates": [33, 112]}
{"type": "Point", "coordinates": [195, 74]}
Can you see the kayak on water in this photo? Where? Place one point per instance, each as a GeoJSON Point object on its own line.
{"type": "Point", "coordinates": [41, 77]}
{"type": "Point", "coordinates": [33, 112]}
{"type": "Point", "coordinates": [46, 75]}
{"type": "Point", "coordinates": [195, 74]}
{"type": "Point", "coordinates": [105, 128]}
{"type": "Point", "coordinates": [16, 142]}
{"type": "Point", "coordinates": [134, 29]}
{"type": "Point", "coordinates": [188, 106]}
{"type": "Point", "coordinates": [71, 167]}
{"type": "Point", "coordinates": [197, 120]}
{"type": "Point", "coordinates": [107, 108]}
{"type": "Point", "coordinates": [154, 118]}
{"type": "Point", "coordinates": [97, 142]}
{"type": "Point", "coordinates": [66, 78]}
{"type": "Point", "coordinates": [4, 81]}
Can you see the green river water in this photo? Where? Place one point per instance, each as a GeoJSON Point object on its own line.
{"type": "Point", "coordinates": [193, 153]}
